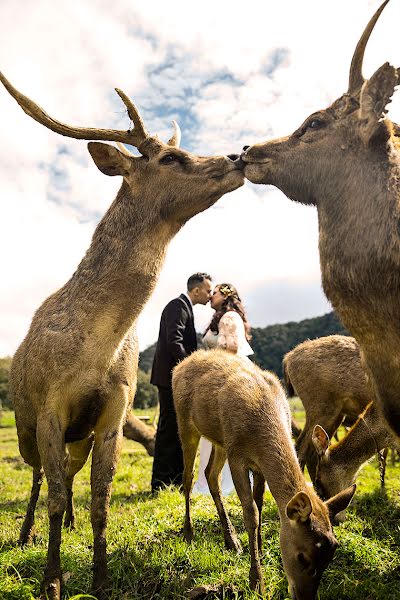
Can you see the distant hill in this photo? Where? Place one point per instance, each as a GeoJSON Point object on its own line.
{"type": "Point", "coordinates": [271, 343]}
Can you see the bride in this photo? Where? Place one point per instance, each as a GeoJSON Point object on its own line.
{"type": "Point", "coordinates": [228, 329]}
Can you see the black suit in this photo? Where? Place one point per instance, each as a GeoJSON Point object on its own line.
{"type": "Point", "coordinates": [176, 340]}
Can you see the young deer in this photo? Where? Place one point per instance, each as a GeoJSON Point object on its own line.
{"type": "Point", "coordinates": [338, 465]}
{"type": "Point", "coordinates": [74, 375]}
{"type": "Point", "coordinates": [327, 375]}
{"type": "Point", "coordinates": [243, 411]}
{"type": "Point", "coordinates": [346, 161]}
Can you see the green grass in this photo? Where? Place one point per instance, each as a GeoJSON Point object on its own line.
{"type": "Point", "coordinates": [148, 558]}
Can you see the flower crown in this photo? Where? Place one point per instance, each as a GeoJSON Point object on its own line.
{"type": "Point", "coordinates": [227, 291]}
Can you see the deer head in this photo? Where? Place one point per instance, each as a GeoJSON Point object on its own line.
{"type": "Point", "coordinates": [307, 541]}
{"type": "Point", "coordinates": [341, 142]}
{"type": "Point", "coordinates": [329, 477]}
{"type": "Point", "coordinates": [166, 180]}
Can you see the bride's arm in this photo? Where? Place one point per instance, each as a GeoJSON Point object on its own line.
{"type": "Point", "coordinates": [231, 330]}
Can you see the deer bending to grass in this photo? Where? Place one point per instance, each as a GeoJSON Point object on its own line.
{"type": "Point", "coordinates": [243, 411]}
{"type": "Point", "coordinates": [346, 161]}
{"type": "Point", "coordinates": [338, 465]}
{"type": "Point", "coordinates": [326, 374]}
{"type": "Point", "coordinates": [73, 377]}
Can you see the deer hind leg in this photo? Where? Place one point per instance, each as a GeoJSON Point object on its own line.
{"type": "Point", "coordinates": [190, 441]}
{"type": "Point", "coordinates": [51, 446]}
{"type": "Point", "coordinates": [213, 475]}
{"type": "Point", "coordinates": [258, 495]}
{"type": "Point", "coordinates": [30, 453]}
{"type": "Point", "coordinates": [251, 516]}
{"type": "Point", "coordinates": [77, 454]}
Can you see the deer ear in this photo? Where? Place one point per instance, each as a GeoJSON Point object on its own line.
{"type": "Point", "coordinates": [341, 501]}
{"type": "Point", "coordinates": [109, 160]}
{"type": "Point", "coordinates": [375, 95]}
{"type": "Point", "coordinates": [299, 507]}
{"type": "Point", "coordinates": [320, 439]}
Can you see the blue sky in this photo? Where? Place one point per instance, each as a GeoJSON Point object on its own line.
{"type": "Point", "coordinates": [230, 74]}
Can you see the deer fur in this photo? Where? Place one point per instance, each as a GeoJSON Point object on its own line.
{"type": "Point", "coordinates": [243, 411]}
{"type": "Point", "coordinates": [134, 429]}
{"type": "Point", "coordinates": [338, 465]}
{"type": "Point", "coordinates": [345, 160]}
{"type": "Point", "coordinates": [73, 377]}
{"type": "Point", "coordinates": [327, 375]}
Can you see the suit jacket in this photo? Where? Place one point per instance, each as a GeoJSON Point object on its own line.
{"type": "Point", "coordinates": [176, 339]}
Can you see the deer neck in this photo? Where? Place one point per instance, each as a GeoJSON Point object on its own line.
{"type": "Point", "coordinates": [359, 241]}
{"type": "Point", "coordinates": [366, 438]}
{"type": "Point", "coordinates": [281, 469]}
{"type": "Point", "coordinates": [120, 269]}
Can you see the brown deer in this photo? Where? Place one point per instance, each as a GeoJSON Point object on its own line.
{"type": "Point", "coordinates": [244, 412]}
{"type": "Point", "coordinates": [338, 465]}
{"type": "Point", "coordinates": [74, 375]}
{"type": "Point", "coordinates": [346, 161]}
{"type": "Point", "coordinates": [327, 375]}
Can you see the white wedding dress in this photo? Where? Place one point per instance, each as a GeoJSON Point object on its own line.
{"type": "Point", "coordinates": [231, 336]}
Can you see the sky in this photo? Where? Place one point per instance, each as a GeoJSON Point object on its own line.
{"type": "Point", "coordinates": [231, 74]}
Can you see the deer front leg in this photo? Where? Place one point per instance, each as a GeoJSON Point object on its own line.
{"type": "Point", "coordinates": [240, 475]}
{"type": "Point", "coordinates": [258, 495]}
{"type": "Point", "coordinates": [77, 454]}
{"type": "Point", "coordinates": [50, 440]}
{"type": "Point", "coordinates": [27, 526]}
{"type": "Point", "coordinates": [30, 453]}
{"type": "Point", "coordinates": [213, 475]}
{"type": "Point", "coordinates": [106, 451]}
{"type": "Point", "coordinates": [190, 442]}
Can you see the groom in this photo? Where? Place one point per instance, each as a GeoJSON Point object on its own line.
{"type": "Point", "coordinates": [176, 340]}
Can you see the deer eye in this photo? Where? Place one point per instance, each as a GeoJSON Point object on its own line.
{"type": "Point", "coordinates": [315, 124]}
{"type": "Point", "coordinates": [168, 159]}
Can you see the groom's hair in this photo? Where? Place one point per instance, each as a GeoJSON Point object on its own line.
{"type": "Point", "coordinates": [196, 279]}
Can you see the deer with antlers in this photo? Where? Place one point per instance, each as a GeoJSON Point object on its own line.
{"type": "Point", "coordinates": [327, 375]}
{"type": "Point", "coordinates": [346, 161]}
{"type": "Point", "coordinates": [74, 375]}
{"type": "Point", "coordinates": [338, 465]}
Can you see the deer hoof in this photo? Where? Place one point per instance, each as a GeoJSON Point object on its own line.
{"type": "Point", "coordinates": [188, 535]}
{"type": "Point", "coordinates": [256, 581]}
{"type": "Point", "coordinates": [232, 543]}
{"type": "Point", "coordinates": [103, 592]}
{"type": "Point", "coordinates": [51, 590]}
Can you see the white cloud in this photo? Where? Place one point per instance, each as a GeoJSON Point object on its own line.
{"type": "Point", "coordinates": [170, 57]}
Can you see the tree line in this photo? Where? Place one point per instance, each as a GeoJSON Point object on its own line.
{"type": "Point", "coordinates": [270, 344]}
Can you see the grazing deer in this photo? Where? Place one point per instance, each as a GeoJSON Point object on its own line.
{"type": "Point", "coordinates": [74, 375]}
{"type": "Point", "coordinates": [338, 465]}
{"type": "Point", "coordinates": [327, 375]}
{"type": "Point", "coordinates": [346, 161]}
{"type": "Point", "coordinates": [243, 411]}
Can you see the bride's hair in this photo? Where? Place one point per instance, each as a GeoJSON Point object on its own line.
{"type": "Point", "coordinates": [232, 301]}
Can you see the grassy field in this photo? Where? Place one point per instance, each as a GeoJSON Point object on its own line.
{"type": "Point", "coordinates": [149, 559]}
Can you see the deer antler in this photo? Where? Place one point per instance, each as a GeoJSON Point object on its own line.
{"type": "Point", "coordinates": [356, 78]}
{"type": "Point", "coordinates": [176, 137]}
{"type": "Point", "coordinates": [135, 136]}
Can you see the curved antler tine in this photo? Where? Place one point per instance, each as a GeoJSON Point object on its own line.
{"type": "Point", "coordinates": [356, 78]}
{"type": "Point", "coordinates": [176, 138]}
{"type": "Point", "coordinates": [80, 133]}
{"type": "Point", "coordinates": [134, 115]}
{"type": "Point", "coordinates": [125, 150]}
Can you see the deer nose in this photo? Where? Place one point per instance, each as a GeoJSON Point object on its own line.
{"type": "Point", "coordinates": [246, 148]}
{"type": "Point", "coordinates": [233, 156]}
